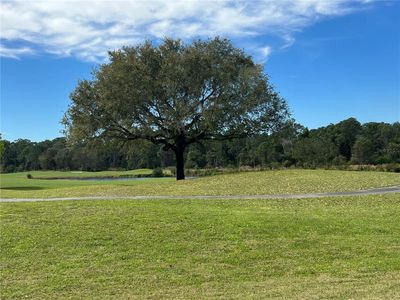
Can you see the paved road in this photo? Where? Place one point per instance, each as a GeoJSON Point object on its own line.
{"type": "Point", "coordinates": [376, 191]}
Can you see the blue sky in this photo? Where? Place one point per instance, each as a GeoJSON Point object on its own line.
{"type": "Point", "coordinates": [331, 59]}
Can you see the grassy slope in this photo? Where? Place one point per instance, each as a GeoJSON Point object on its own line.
{"type": "Point", "coordinates": [18, 184]}
{"type": "Point", "coordinates": [320, 248]}
{"type": "Point", "coordinates": [83, 174]}
{"type": "Point", "coordinates": [248, 183]}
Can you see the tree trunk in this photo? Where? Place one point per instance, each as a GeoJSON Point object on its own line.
{"type": "Point", "coordinates": [180, 164]}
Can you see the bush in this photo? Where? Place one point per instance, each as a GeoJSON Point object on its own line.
{"type": "Point", "coordinates": [309, 165]}
{"type": "Point", "coordinates": [287, 163]}
{"type": "Point", "coordinates": [201, 172]}
{"type": "Point", "coordinates": [393, 168]}
{"type": "Point", "coordinates": [172, 171]}
{"type": "Point", "coordinates": [29, 176]}
{"type": "Point", "coordinates": [339, 160]}
{"type": "Point", "coordinates": [157, 172]}
{"type": "Point", "coordinates": [275, 165]}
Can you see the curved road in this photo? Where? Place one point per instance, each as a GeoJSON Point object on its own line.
{"type": "Point", "coordinates": [375, 191]}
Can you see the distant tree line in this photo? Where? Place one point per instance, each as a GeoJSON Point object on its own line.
{"type": "Point", "coordinates": [344, 143]}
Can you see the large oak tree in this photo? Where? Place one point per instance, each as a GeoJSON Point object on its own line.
{"type": "Point", "coordinates": [175, 94]}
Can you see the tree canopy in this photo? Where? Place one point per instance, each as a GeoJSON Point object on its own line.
{"type": "Point", "coordinates": [292, 146]}
{"type": "Point", "coordinates": [175, 94]}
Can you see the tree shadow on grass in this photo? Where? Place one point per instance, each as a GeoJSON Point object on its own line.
{"type": "Point", "coordinates": [22, 188]}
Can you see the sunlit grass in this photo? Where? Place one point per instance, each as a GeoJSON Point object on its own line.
{"type": "Point", "coordinates": [338, 248]}
{"type": "Point", "coordinates": [246, 183]}
{"type": "Point", "coordinates": [18, 183]}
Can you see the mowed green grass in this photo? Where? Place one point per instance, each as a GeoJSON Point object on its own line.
{"type": "Point", "coordinates": [20, 180]}
{"type": "Point", "coordinates": [337, 248]}
{"type": "Point", "coordinates": [19, 184]}
{"type": "Point", "coordinates": [245, 183]}
{"type": "Point", "coordinates": [82, 174]}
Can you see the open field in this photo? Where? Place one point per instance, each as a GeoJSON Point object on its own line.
{"type": "Point", "coordinates": [247, 183]}
{"type": "Point", "coordinates": [345, 247]}
{"type": "Point", "coordinates": [84, 174]}
{"type": "Point", "coordinates": [16, 183]}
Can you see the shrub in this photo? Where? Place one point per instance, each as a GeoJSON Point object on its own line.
{"type": "Point", "coordinates": [172, 170]}
{"type": "Point", "coordinates": [275, 165]}
{"type": "Point", "coordinates": [157, 172]}
{"type": "Point", "coordinates": [393, 168]}
{"type": "Point", "coordinates": [287, 163]}
{"type": "Point", "coordinates": [309, 165]}
{"type": "Point", "coordinates": [29, 176]}
{"type": "Point", "coordinates": [339, 160]}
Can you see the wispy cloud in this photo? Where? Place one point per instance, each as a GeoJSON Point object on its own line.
{"type": "Point", "coordinates": [264, 53]}
{"type": "Point", "coordinates": [88, 29]}
{"type": "Point", "coordinates": [15, 52]}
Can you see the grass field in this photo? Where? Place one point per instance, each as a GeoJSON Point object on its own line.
{"type": "Point", "coordinates": [18, 184]}
{"type": "Point", "coordinates": [346, 247]}
{"type": "Point", "coordinates": [246, 183]}
{"type": "Point", "coordinates": [83, 174]}
{"type": "Point", "coordinates": [19, 181]}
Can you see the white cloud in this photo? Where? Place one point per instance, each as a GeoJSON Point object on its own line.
{"type": "Point", "coordinates": [264, 53]}
{"type": "Point", "coordinates": [15, 52]}
{"type": "Point", "coordinates": [87, 29]}
{"type": "Point", "coordinates": [288, 41]}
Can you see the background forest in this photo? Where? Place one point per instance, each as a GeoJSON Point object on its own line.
{"type": "Point", "coordinates": [336, 145]}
